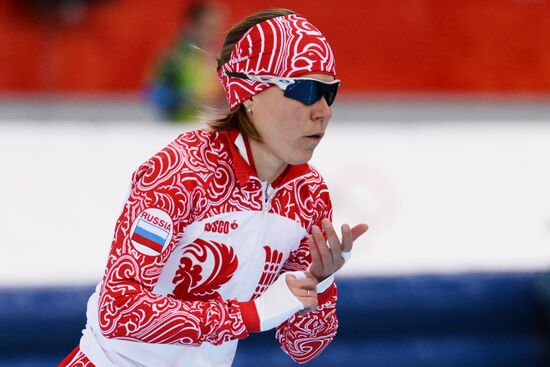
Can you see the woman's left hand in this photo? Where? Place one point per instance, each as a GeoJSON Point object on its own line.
{"type": "Point", "coordinates": [326, 258]}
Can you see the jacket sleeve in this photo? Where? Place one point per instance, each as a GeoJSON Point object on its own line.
{"type": "Point", "coordinates": [303, 337]}
{"type": "Point", "coordinates": [128, 309]}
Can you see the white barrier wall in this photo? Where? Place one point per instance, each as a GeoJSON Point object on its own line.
{"type": "Point", "coordinates": [439, 197]}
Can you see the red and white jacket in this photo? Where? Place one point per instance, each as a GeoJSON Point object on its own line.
{"type": "Point", "coordinates": [199, 238]}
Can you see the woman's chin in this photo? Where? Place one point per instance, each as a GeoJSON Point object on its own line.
{"type": "Point", "coordinates": [301, 158]}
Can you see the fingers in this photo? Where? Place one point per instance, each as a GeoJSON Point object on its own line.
{"type": "Point", "coordinates": [334, 242]}
{"type": "Point", "coordinates": [309, 300]}
{"type": "Point", "coordinates": [307, 283]}
{"type": "Point", "coordinates": [347, 238]}
{"type": "Point", "coordinates": [324, 251]}
{"type": "Point", "coordinates": [326, 255]}
{"type": "Point", "coordinates": [358, 230]}
{"type": "Point", "coordinates": [314, 251]}
{"type": "Point", "coordinates": [304, 290]}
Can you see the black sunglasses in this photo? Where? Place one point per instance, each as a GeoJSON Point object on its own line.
{"type": "Point", "coordinates": [306, 90]}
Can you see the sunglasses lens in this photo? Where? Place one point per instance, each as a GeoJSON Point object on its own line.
{"type": "Point", "coordinates": [303, 91]}
{"type": "Point", "coordinates": [329, 92]}
{"type": "Point", "coordinates": [310, 91]}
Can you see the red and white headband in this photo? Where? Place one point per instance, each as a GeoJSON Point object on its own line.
{"type": "Point", "coordinates": [285, 46]}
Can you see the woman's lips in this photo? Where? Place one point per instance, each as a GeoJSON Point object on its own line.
{"type": "Point", "coordinates": [315, 136]}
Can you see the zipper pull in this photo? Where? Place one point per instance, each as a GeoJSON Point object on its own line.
{"type": "Point", "coordinates": [267, 190]}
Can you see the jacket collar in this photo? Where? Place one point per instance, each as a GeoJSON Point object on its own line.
{"type": "Point", "coordinates": [243, 162]}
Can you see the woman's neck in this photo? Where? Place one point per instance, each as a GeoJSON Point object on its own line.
{"type": "Point", "coordinates": [268, 166]}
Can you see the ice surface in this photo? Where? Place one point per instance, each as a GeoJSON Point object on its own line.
{"type": "Point", "coordinates": [439, 197]}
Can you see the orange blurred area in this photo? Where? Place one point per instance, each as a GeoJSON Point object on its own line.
{"type": "Point", "coordinates": [381, 46]}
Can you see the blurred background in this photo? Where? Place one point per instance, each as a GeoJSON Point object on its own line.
{"type": "Point", "coordinates": [440, 140]}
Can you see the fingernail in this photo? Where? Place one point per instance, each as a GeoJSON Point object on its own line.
{"type": "Point", "coordinates": [346, 227]}
{"type": "Point", "coordinates": [326, 223]}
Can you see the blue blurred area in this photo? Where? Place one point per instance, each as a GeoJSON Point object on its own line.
{"type": "Point", "coordinates": [487, 319]}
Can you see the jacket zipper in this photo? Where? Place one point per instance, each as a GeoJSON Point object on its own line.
{"type": "Point", "coordinates": [267, 192]}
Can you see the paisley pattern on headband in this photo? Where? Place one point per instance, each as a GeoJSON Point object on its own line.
{"type": "Point", "coordinates": [286, 46]}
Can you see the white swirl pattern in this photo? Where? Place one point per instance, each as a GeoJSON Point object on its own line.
{"type": "Point", "coordinates": [192, 179]}
{"type": "Point", "coordinates": [286, 46]}
{"type": "Point", "coordinates": [79, 359]}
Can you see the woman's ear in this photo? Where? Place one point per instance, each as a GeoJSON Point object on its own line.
{"type": "Point", "coordinates": [249, 104]}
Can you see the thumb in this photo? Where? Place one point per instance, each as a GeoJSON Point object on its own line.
{"type": "Point", "coordinates": [359, 230]}
{"type": "Point", "coordinates": [290, 278]}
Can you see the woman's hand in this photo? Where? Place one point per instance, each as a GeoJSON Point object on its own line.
{"type": "Point", "coordinates": [304, 289]}
{"type": "Point", "coordinates": [326, 257]}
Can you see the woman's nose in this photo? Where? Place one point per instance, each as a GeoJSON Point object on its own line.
{"type": "Point", "coordinates": [321, 109]}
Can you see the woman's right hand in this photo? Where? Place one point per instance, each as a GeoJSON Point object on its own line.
{"type": "Point", "coordinates": [292, 292]}
{"type": "Point", "coordinates": [304, 289]}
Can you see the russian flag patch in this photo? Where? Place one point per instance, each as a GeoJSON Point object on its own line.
{"type": "Point", "coordinates": [152, 231]}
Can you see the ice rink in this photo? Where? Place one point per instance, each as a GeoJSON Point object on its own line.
{"type": "Point", "coordinates": [465, 192]}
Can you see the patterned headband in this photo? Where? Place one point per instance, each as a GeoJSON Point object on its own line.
{"type": "Point", "coordinates": [285, 46]}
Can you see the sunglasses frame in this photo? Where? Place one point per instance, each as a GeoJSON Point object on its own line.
{"type": "Point", "coordinates": [280, 82]}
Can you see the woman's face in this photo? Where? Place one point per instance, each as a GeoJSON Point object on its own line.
{"type": "Point", "coordinates": [290, 130]}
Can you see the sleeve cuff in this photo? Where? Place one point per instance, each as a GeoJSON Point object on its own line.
{"type": "Point", "coordinates": [250, 316]}
{"type": "Point", "coordinates": [325, 284]}
{"type": "Point", "coordinates": [328, 293]}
